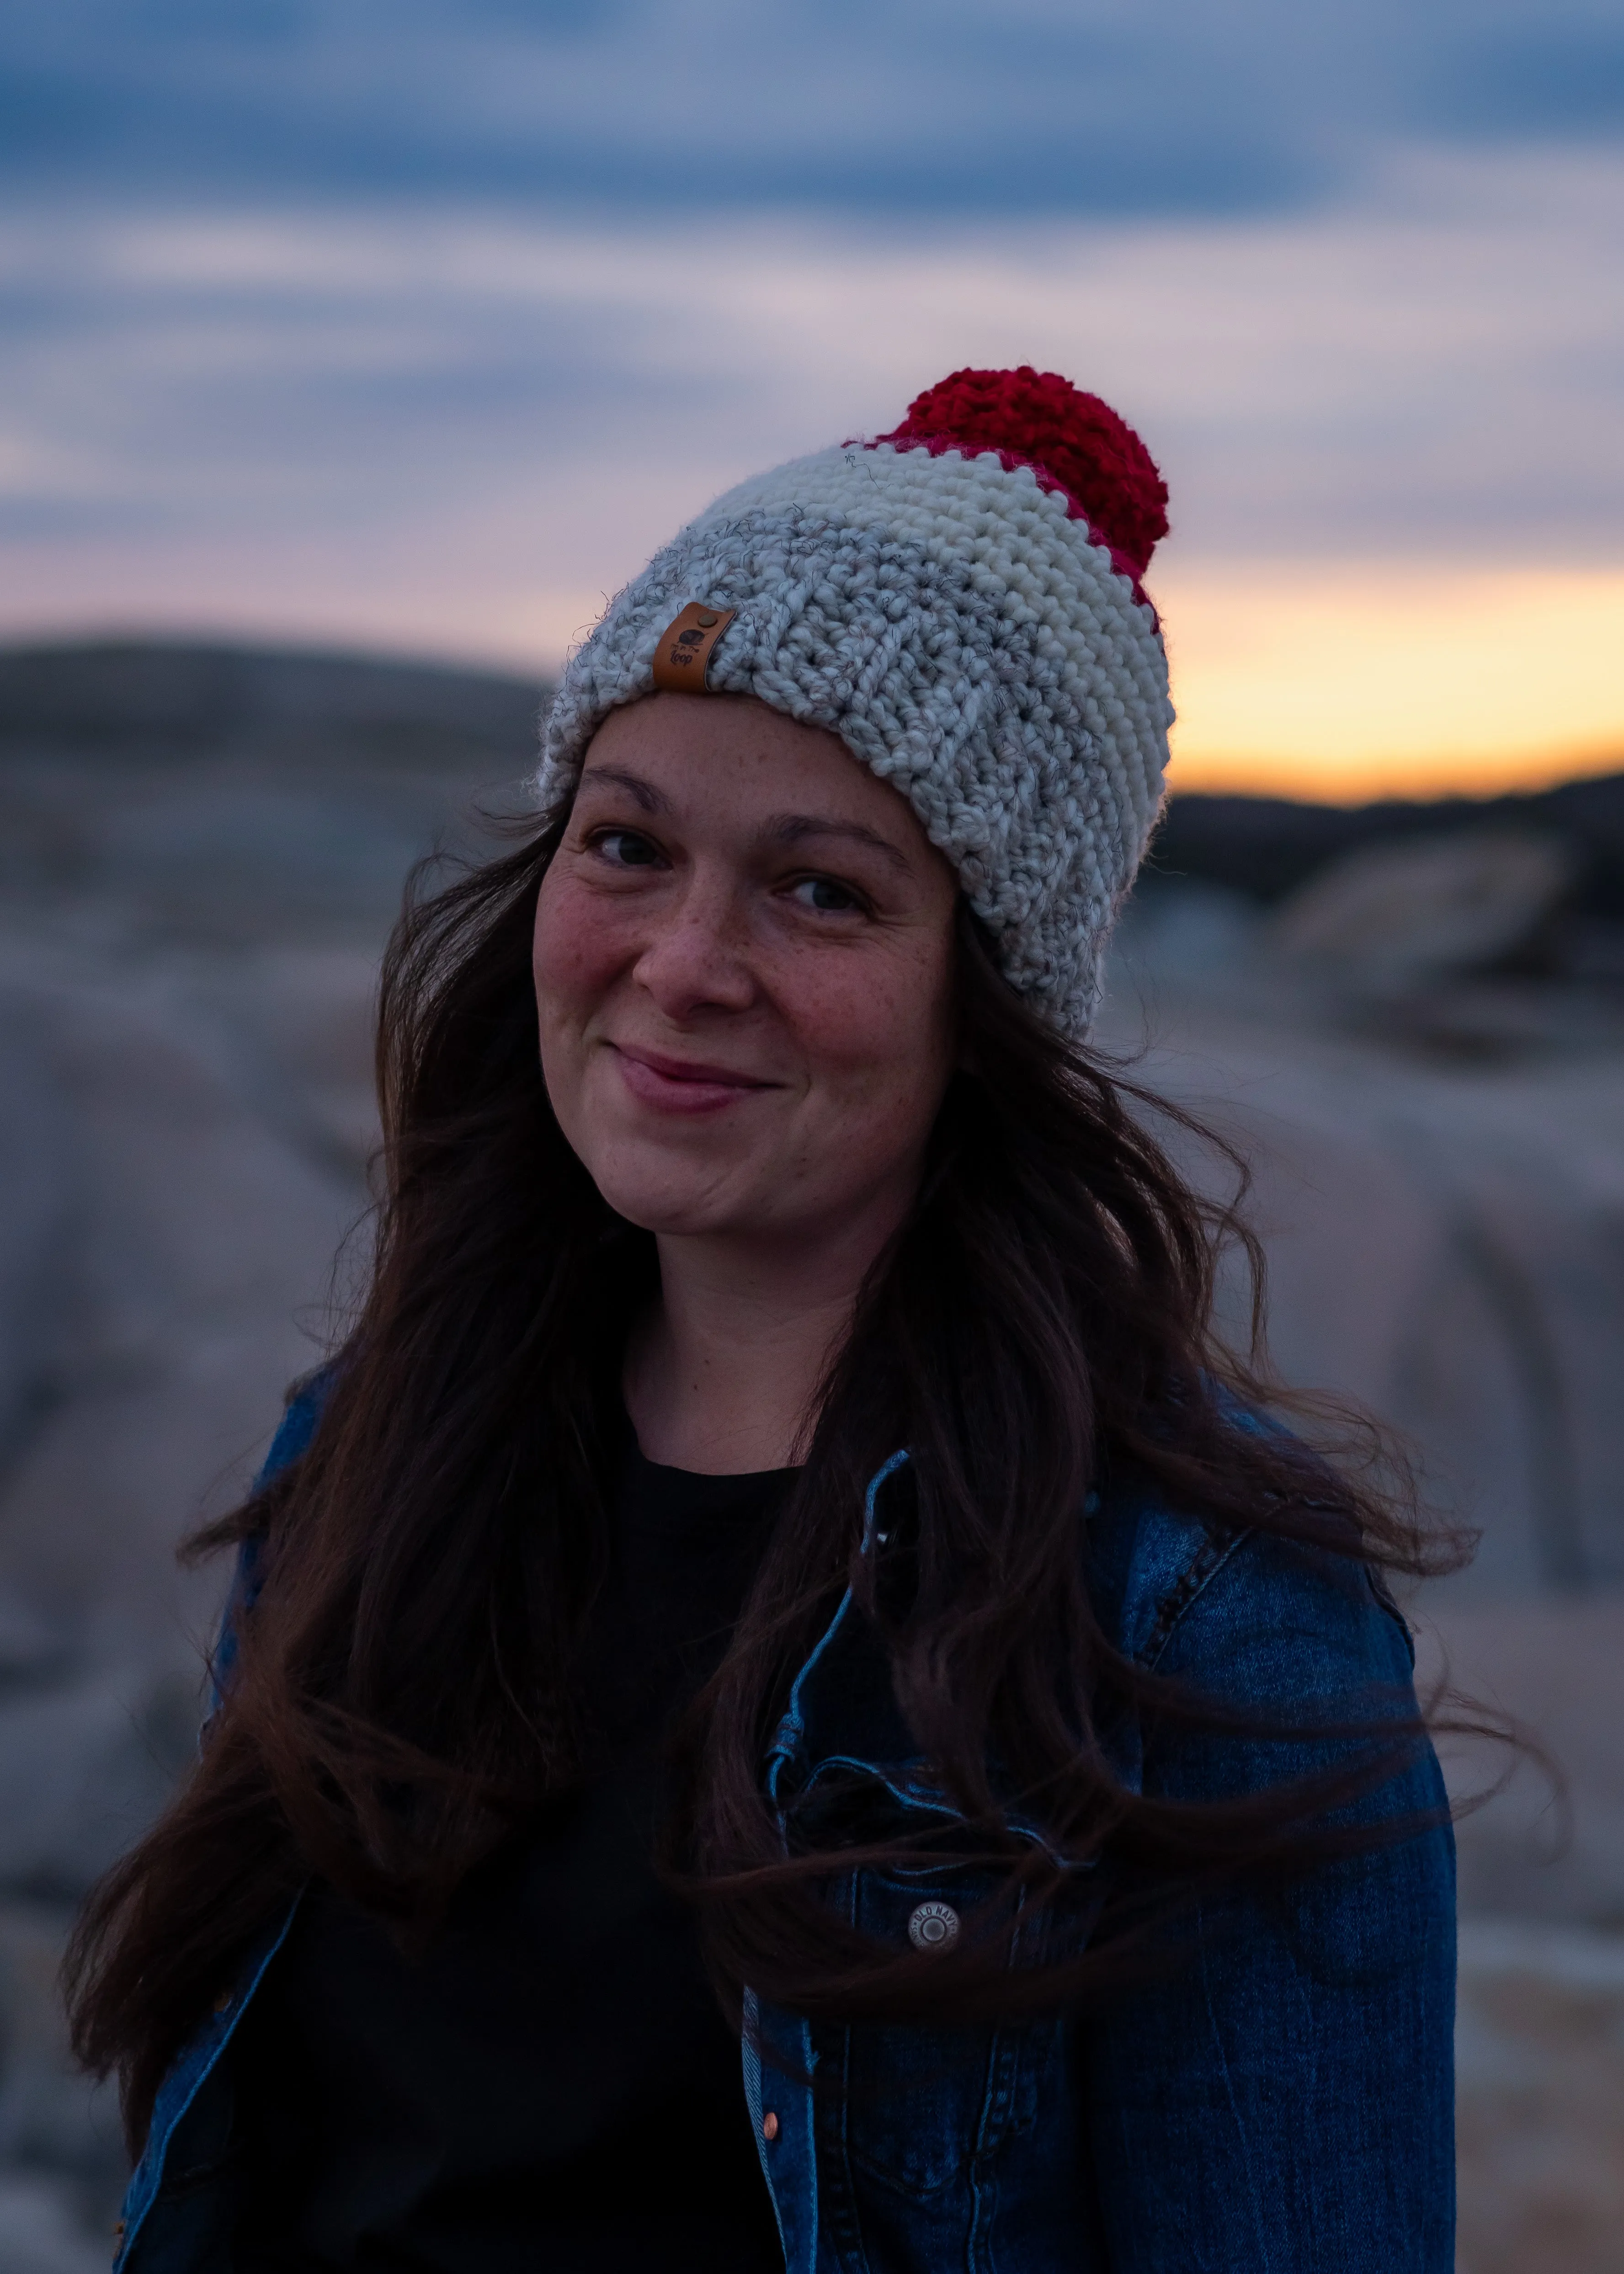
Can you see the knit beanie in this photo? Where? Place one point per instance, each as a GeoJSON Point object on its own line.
{"type": "Point", "coordinates": [961, 601]}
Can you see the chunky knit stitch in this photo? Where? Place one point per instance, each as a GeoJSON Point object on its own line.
{"type": "Point", "coordinates": [963, 609]}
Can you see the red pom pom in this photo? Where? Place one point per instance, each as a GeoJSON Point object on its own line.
{"type": "Point", "coordinates": [1038, 419]}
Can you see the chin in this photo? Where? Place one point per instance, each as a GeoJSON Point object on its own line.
{"type": "Point", "coordinates": [671, 1206]}
{"type": "Point", "coordinates": [675, 1222]}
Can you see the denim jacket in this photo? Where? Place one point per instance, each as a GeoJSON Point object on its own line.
{"type": "Point", "coordinates": [1279, 2102]}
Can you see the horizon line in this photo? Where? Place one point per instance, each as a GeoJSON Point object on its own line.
{"type": "Point", "coordinates": [1424, 778]}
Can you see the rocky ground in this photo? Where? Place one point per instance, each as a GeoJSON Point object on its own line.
{"type": "Point", "coordinates": [199, 855]}
{"type": "Point", "coordinates": [1437, 1151]}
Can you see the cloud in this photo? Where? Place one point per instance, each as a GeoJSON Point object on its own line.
{"type": "Point", "coordinates": [1565, 79]}
{"type": "Point", "coordinates": [901, 106]}
{"type": "Point", "coordinates": [421, 325]}
{"type": "Point", "coordinates": [1432, 373]}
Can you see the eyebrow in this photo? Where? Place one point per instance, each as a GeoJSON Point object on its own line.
{"type": "Point", "coordinates": [788, 829]}
{"type": "Point", "coordinates": [651, 799]}
{"type": "Point", "coordinates": [797, 828]}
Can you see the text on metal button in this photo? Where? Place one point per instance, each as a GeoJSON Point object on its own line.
{"type": "Point", "coordinates": [933, 1926]}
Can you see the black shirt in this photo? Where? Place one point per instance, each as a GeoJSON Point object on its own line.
{"type": "Point", "coordinates": [552, 2086]}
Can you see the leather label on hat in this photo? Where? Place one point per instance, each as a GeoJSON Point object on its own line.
{"type": "Point", "coordinates": [685, 645]}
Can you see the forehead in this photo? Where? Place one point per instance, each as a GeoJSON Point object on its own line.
{"type": "Point", "coordinates": [700, 750]}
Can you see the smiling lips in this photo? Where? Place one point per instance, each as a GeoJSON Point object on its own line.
{"type": "Point", "coordinates": [683, 1085]}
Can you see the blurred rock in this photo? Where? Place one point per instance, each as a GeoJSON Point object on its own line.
{"type": "Point", "coordinates": [156, 794]}
{"type": "Point", "coordinates": [84, 1768]}
{"type": "Point", "coordinates": [1266, 847]}
{"type": "Point", "coordinates": [297, 1024]}
{"type": "Point", "coordinates": [34, 1137]}
{"type": "Point", "coordinates": [1390, 914]}
{"type": "Point", "coordinates": [1487, 1020]}
{"type": "Point", "coordinates": [51, 2118]}
{"type": "Point", "coordinates": [1444, 1244]}
{"type": "Point", "coordinates": [33, 1651]}
{"type": "Point", "coordinates": [1535, 1848]}
{"type": "Point", "coordinates": [1189, 935]}
{"type": "Point", "coordinates": [41, 2234]}
{"type": "Point", "coordinates": [199, 1241]}
{"type": "Point", "coordinates": [170, 696]}
{"type": "Point", "coordinates": [1540, 2103]}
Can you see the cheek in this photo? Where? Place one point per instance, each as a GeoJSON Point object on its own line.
{"type": "Point", "coordinates": [879, 1034]}
{"type": "Point", "coordinates": [577, 952]}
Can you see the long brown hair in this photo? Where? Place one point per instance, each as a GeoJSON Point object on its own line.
{"type": "Point", "coordinates": [405, 1691]}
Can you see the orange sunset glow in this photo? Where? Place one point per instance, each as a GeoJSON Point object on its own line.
{"type": "Point", "coordinates": [1344, 684]}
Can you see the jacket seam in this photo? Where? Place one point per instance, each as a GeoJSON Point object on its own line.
{"type": "Point", "coordinates": [1213, 1553]}
{"type": "Point", "coordinates": [792, 1724]}
{"type": "Point", "coordinates": [831, 2133]}
{"type": "Point", "coordinates": [159, 2157]}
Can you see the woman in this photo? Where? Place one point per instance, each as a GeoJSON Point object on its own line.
{"type": "Point", "coordinates": [783, 1706]}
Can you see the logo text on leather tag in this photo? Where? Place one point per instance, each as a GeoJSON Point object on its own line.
{"type": "Point", "coordinates": [684, 650]}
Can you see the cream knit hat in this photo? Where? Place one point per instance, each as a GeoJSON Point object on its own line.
{"type": "Point", "coordinates": [960, 602]}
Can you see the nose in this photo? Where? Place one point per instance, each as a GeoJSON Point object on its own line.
{"type": "Point", "coordinates": [697, 958]}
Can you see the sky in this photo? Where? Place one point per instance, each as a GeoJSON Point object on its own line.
{"type": "Point", "coordinates": [413, 326]}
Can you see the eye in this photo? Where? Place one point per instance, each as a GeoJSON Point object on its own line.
{"type": "Point", "coordinates": [825, 895]}
{"type": "Point", "coordinates": [625, 848]}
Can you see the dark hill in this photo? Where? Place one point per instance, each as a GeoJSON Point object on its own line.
{"type": "Point", "coordinates": [167, 698]}
{"type": "Point", "coordinates": [1265, 847]}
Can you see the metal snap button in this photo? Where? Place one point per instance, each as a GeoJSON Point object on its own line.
{"type": "Point", "coordinates": [933, 1926]}
{"type": "Point", "coordinates": [706, 617]}
{"type": "Point", "coordinates": [770, 2126]}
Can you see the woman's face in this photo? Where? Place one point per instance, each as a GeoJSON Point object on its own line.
{"type": "Point", "coordinates": [743, 969]}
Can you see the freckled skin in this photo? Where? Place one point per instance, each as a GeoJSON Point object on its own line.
{"type": "Point", "coordinates": [743, 960]}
